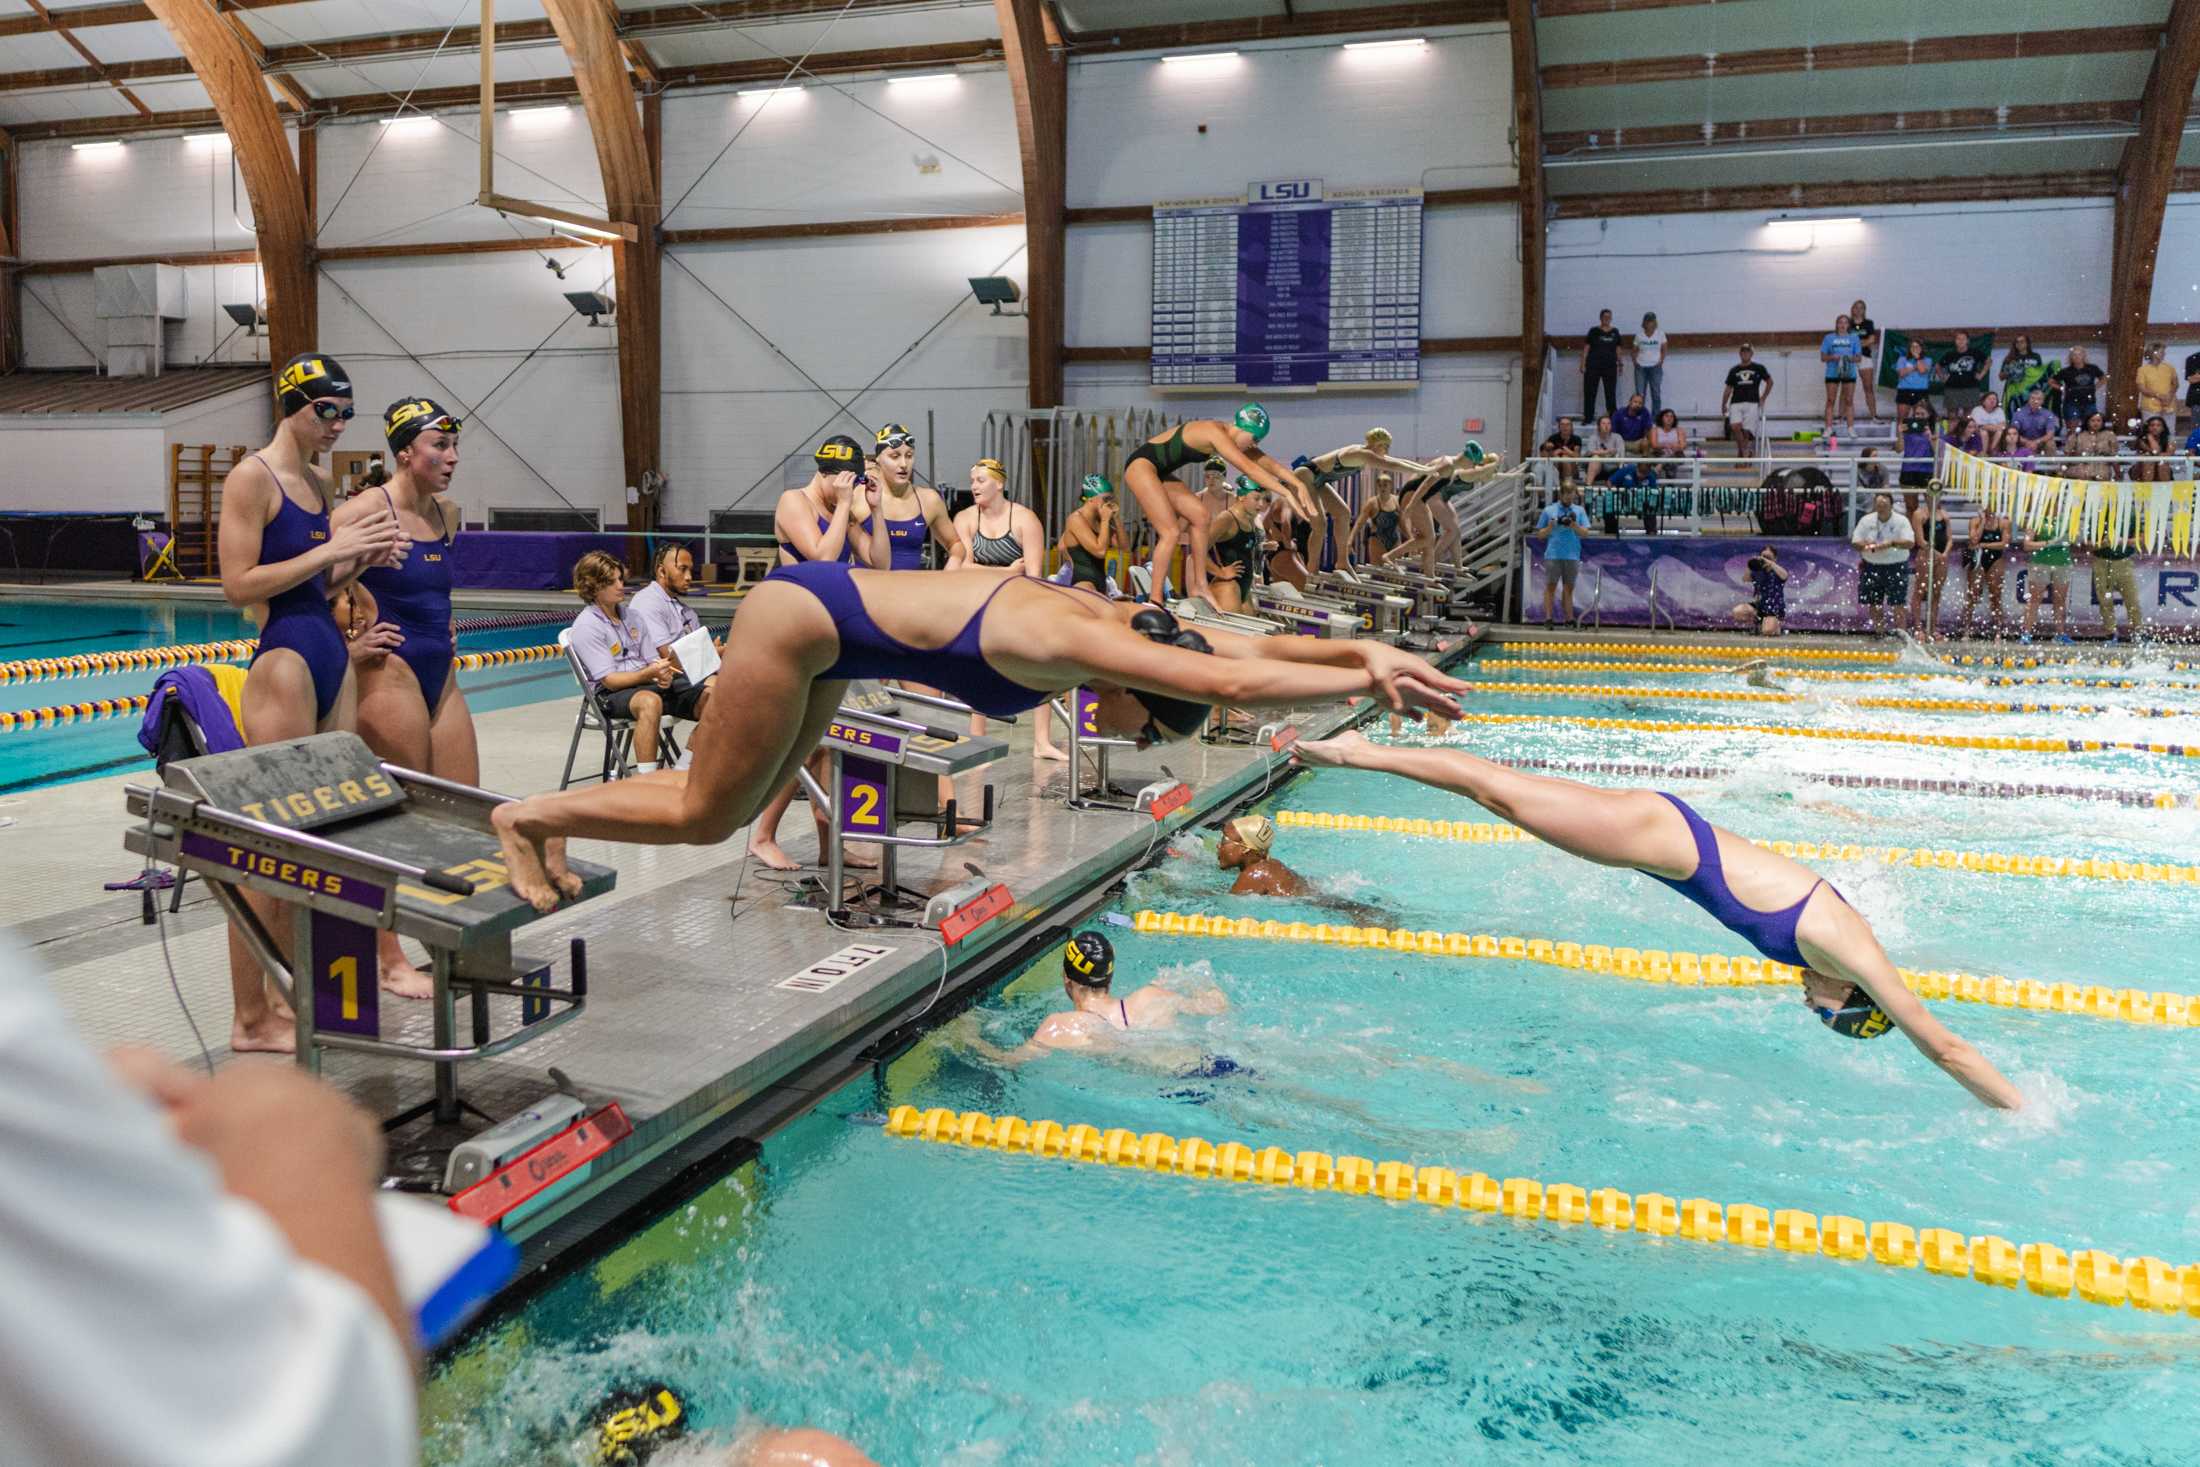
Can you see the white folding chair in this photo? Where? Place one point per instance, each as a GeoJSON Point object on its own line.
{"type": "Point", "coordinates": [618, 733]}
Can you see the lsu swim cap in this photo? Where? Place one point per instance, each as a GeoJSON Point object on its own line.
{"type": "Point", "coordinates": [1089, 958]}
{"type": "Point", "coordinates": [894, 435]}
{"type": "Point", "coordinates": [629, 1426]}
{"type": "Point", "coordinates": [309, 377]}
{"type": "Point", "coordinates": [1216, 463]}
{"type": "Point", "coordinates": [1095, 485]}
{"type": "Point", "coordinates": [1253, 418]}
{"type": "Point", "coordinates": [404, 421]}
{"type": "Point", "coordinates": [1857, 1018]}
{"type": "Point", "coordinates": [1247, 486]}
{"type": "Point", "coordinates": [1254, 832]}
{"type": "Point", "coordinates": [839, 454]}
{"type": "Point", "coordinates": [993, 467]}
{"type": "Point", "coordinates": [1169, 718]}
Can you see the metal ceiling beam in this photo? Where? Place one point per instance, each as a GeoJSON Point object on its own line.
{"type": "Point", "coordinates": [738, 12]}
{"type": "Point", "coordinates": [261, 149]}
{"type": "Point", "coordinates": [630, 197]}
{"type": "Point", "coordinates": [1855, 193]}
{"type": "Point", "coordinates": [2143, 177]}
{"type": "Point", "coordinates": [1039, 79]}
{"type": "Point", "coordinates": [1848, 56]}
{"type": "Point", "coordinates": [1533, 208]}
{"type": "Point", "coordinates": [1289, 27]}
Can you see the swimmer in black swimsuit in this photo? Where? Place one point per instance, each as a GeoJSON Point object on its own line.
{"type": "Point", "coordinates": [1002, 535]}
{"type": "Point", "coordinates": [1379, 520]}
{"type": "Point", "coordinates": [1097, 1015]}
{"type": "Point", "coordinates": [1233, 541]}
{"type": "Point", "coordinates": [1001, 642]}
{"type": "Point", "coordinates": [1318, 474]}
{"type": "Point", "coordinates": [1094, 529]}
{"type": "Point", "coordinates": [1149, 473]}
{"type": "Point", "coordinates": [1983, 571]}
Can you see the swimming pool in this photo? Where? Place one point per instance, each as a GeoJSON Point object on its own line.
{"type": "Point", "coordinates": [941, 1304]}
{"type": "Point", "coordinates": [32, 628]}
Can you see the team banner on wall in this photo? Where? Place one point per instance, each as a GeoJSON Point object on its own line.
{"type": "Point", "coordinates": [1290, 286]}
{"type": "Point", "coordinates": [1701, 581]}
{"type": "Point", "coordinates": [1894, 345]}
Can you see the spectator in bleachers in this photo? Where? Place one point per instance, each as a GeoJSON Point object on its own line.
{"type": "Point", "coordinates": [2081, 387]}
{"type": "Point", "coordinates": [1743, 401]}
{"type": "Point", "coordinates": [2157, 383]}
{"type": "Point", "coordinates": [2093, 443]}
{"type": "Point", "coordinates": [1649, 354]}
{"type": "Point", "coordinates": [1867, 339]}
{"type": "Point", "coordinates": [2151, 444]}
{"type": "Point", "coordinates": [2192, 388]}
{"type": "Point", "coordinates": [1913, 378]}
{"type": "Point", "coordinates": [1918, 452]}
{"type": "Point", "coordinates": [1883, 541]}
{"type": "Point", "coordinates": [1964, 434]}
{"type": "Point", "coordinates": [1870, 472]}
{"type": "Point", "coordinates": [1600, 366]}
{"type": "Point", "coordinates": [1602, 452]}
{"type": "Point", "coordinates": [2032, 427]}
{"type": "Point", "coordinates": [1629, 479]}
{"type": "Point", "coordinates": [1992, 423]}
{"type": "Point", "coordinates": [2192, 439]}
{"type": "Point", "coordinates": [1668, 439]}
{"type": "Point", "coordinates": [2020, 371]}
{"type": "Point", "coordinates": [1564, 448]}
{"type": "Point", "coordinates": [1962, 373]}
{"type": "Point", "coordinates": [1840, 350]}
{"type": "Point", "coordinates": [1632, 423]}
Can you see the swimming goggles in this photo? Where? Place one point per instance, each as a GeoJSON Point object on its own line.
{"type": "Point", "coordinates": [328, 412]}
{"type": "Point", "coordinates": [897, 440]}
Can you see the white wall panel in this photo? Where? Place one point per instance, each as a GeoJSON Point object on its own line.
{"type": "Point", "coordinates": [63, 465]}
{"type": "Point", "coordinates": [417, 180]}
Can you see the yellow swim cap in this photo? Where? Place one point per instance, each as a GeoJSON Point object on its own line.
{"type": "Point", "coordinates": [1254, 832]}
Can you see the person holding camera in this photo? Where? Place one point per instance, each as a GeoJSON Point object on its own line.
{"type": "Point", "coordinates": [1767, 606]}
{"type": "Point", "coordinates": [1559, 527]}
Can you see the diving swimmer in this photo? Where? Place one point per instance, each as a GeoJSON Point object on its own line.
{"type": "Point", "coordinates": [1778, 906]}
{"type": "Point", "coordinates": [996, 639]}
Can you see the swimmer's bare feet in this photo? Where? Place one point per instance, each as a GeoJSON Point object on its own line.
{"type": "Point", "coordinates": [523, 860]}
{"type": "Point", "coordinates": [850, 860]}
{"type": "Point", "coordinates": [278, 1005]}
{"type": "Point", "coordinates": [264, 1036]}
{"type": "Point", "coordinates": [553, 865]}
{"type": "Point", "coordinates": [767, 850]}
{"type": "Point", "coordinates": [400, 977]}
{"type": "Point", "coordinates": [1049, 752]}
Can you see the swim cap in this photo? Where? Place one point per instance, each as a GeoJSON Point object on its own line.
{"type": "Point", "coordinates": [1473, 453]}
{"type": "Point", "coordinates": [1170, 718]}
{"type": "Point", "coordinates": [407, 420]}
{"type": "Point", "coordinates": [1095, 485]}
{"type": "Point", "coordinates": [629, 1426]}
{"type": "Point", "coordinates": [307, 378]}
{"type": "Point", "coordinates": [1217, 463]}
{"type": "Point", "coordinates": [839, 454]}
{"type": "Point", "coordinates": [894, 435]}
{"type": "Point", "coordinates": [1857, 1018]}
{"type": "Point", "coordinates": [1247, 486]}
{"type": "Point", "coordinates": [1253, 418]}
{"type": "Point", "coordinates": [1374, 433]}
{"type": "Point", "coordinates": [1254, 832]}
{"type": "Point", "coordinates": [993, 467]}
{"type": "Point", "coordinates": [1303, 461]}
{"type": "Point", "coordinates": [1089, 958]}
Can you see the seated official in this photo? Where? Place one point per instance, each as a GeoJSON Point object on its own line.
{"type": "Point", "coordinates": [624, 676]}
{"type": "Point", "coordinates": [664, 619]}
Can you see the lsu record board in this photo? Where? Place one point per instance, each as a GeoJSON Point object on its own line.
{"type": "Point", "coordinates": [1288, 286]}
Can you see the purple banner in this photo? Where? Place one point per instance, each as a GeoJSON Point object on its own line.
{"type": "Point", "coordinates": [347, 987]}
{"type": "Point", "coordinates": [347, 889]}
{"type": "Point", "coordinates": [1283, 298]}
{"type": "Point", "coordinates": [1701, 580]}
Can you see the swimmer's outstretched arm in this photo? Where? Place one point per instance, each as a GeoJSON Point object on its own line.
{"type": "Point", "coordinates": [1382, 662]}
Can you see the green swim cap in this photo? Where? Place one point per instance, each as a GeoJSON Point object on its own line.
{"type": "Point", "coordinates": [1246, 486]}
{"type": "Point", "coordinates": [1253, 418]}
{"type": "Point", "coordinates": [1095, 485]}
{"type": "Point", "coordinates": [1473, 452]}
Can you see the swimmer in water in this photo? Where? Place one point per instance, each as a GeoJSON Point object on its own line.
{"type": "Point", "coordinates": [1244, 849]}
{"type": "Point", "coordinates": [1779, 907]}
{"type": "Point", "coordinates": [998, 640]}
{"type": "Point", "coordinates": [1097, 1014]}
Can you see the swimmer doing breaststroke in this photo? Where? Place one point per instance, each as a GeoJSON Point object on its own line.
{"type": "Point", "coordinates": [998, 640]}
{"type": "Point", "coordinates": [1780, 907]}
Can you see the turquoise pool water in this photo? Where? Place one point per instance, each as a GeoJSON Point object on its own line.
{"type": "Point", "coordinates": [59, 753]}
{"type": "Point", "coordinates": [937, 1304]}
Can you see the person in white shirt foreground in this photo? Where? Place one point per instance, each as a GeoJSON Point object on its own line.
{"type": "Point", "coordinates": [1884, 539]}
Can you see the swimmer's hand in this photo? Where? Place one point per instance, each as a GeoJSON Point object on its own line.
{"type": "Point", "coordinates": [1390, 669]}
{"type": "Point", "coordinates": [1332, 753]}
{"type": "Point", "coordinates": [376, 642]}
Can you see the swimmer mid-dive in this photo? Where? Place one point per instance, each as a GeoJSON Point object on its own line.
{"type": "Point", "coordinates": [1097, 1015]}
{"type": "Point", "coordinates": [1778, 906]}
{"type": "Point", "coordinates": [996, 639]}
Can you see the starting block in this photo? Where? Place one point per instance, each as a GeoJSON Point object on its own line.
{"type": "Point", "coordinates": [349, 845]}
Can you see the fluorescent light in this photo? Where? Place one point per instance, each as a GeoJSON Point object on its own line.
{"type": "Point", "coordinates": [1409, 43]}
{"type": "Point", "coordinates": [413, 122]}
{"type": "Point", "coordinates": [581, 233]}
{"type": "Point", "coordinates": [1814, 221]}
{"type": "Point", "coordinates": [111, 145]}
{"type": "Point", "coordinates": [768, 92]}
{"type": "Point", "coordinates": [933, 79]}
{"type": "Point", "coordinates": [1201, 60]}
{"type": "Point", "coordinates": [207, 140]}
{"type": "Point", "coordinates": [539, 116]}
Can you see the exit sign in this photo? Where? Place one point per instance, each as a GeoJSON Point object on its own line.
{"type": "Point", "coordinates": [1471, 425]}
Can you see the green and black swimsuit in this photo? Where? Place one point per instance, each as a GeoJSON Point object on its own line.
{"type": "Point", "coordinates": [1167, 457]}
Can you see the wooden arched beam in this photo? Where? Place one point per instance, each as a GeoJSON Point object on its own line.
{"type": "Point", "coordinates": [2144, 177]}
{"type": "Point", "coordinates": [1039, 79]}
{"type": "Point", "coordinates": [1528, 144]}
{"type": "Point", "coordinates": [231, 76]}
{"type": "Point", "coordinates": [630, 185]}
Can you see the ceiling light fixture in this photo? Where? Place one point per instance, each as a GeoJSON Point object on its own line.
{"type": "Point", "coordinates": [1201, 60]}
{"type": "Point", "coordinates": [110, 145]}
{"type": "Point", "coordinates": [1407, 43]}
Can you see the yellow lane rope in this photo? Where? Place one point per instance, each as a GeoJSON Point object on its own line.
{"type": "Point", "coordinates": [1692, 649]}
{"type": "Point", "coordinates": [1977, 863]}
{"type": "Point", "coordinates": [81, 664]}
{"type": "Point", "coordinates": [1738, 695]}
{"type": "Point", "coordinates": [1830, 675]}
{"type": "Point", "coordinates": [2094, 1275]}
{"type": "Point", "coordinates": [1691, 970]}
{"type": "Point", "coordinates": [2010, 742]}
{"type": "Point", "coordinates": [91, 708]}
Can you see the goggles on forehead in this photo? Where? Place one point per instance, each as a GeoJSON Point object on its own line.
{"type": "Point", "coordinates": [897, 440]}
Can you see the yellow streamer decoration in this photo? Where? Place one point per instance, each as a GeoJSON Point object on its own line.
{"type": "Point", "coordinates": [1692, 970]}
{"type": "Point", "coordinates": [2094, 1275]}
{"type": "Point", "coordinates": [2155, 517]}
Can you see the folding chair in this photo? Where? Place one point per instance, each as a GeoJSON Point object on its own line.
{"type": "Point", "coordinates": [618, 733]}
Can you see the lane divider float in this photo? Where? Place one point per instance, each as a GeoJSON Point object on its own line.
{"type": "Point", "coordinates": [2093, 1275]}
{"type": "Point", "coordinates": [1755, 695]}
{"type": "Point", "coordinates": [1977, 863]}
{"type": "Point", "coordinates": [1692, 649]}
{"type": "Point", "coordinates": [1830, 674]}
{"type": "Point", "coordinates": [89, 664]}
{"type": "Point", "coordinates": [1691, 970]}
{"type": "Point", "coordinates": [2008, 742]}
{"type": "Point", "coordinates": [2138, 799]}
